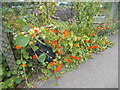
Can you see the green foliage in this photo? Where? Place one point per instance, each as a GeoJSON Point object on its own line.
{"type": "Point", "coordinates": [42, 57]}
{"type": "Point", "coordinates": [35, 47]}
{"type": "Point", "coordinates": [73, 42]}
{"type": "Point", "coordinates": [9, 78]}
{"type": "Point", "coordinates": [21, 40]}
{"type": "Point", "coordinates": [18, 62]}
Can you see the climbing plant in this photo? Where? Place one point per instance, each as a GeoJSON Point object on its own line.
{"type": "Point", "coordinates": [72, 43]}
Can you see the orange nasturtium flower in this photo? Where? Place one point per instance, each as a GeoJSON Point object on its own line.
{"type": "Point", "coordinates": [54, 43]}
{"type": "Point", "coordinates": [18, 47]}
{"type": "Point", "coordinates": [60, 40]}
{"type": "Point", "coordinates": [58, 47]}
{"type": "Point", "coordinates": [47, 41]}
{"type": "Point", "coordinates": [90, 51]}
{"type": "Point", "coordinates": [36, 31]}
{"type": "Point", "coordinates": [55, 31]}
{"type": "Point", "coordinates": [94, 46]}
{"type": "Point", "coordinates": [59, 52]}
{"type": "Point", "coordinates": [24, 65]}
{"type": "Point", "coordinates": [47, 35]}
{"type": "Point", "coordinates": [104, 47]}
{"type": "Point", "coordinates": [52, 63]}
{"type": "Point", "coordinates": [111, 44]}
{"type": "Point", "coordinates": [72, 57]}
{"type": "Point", "coordinates": [67, 60]}
{"type": "Point", "coordinates": [87, 41]}
{"type": "Point", "coordinates": [54, 60]}
{"type": "Point", "coordinates": [32, 36]}
{"type": "Point", "coordinates": [97, 28]}
{"type": "Point", "coordinates": [58, 68]}
{"type": "Point", "coordinates": [22, 33]}
{"type": "Point", "coordinates": [89, 47]}
{"type": "Point", "coordinates": [93, 34]}
{"type": "Point", "coordinates": [80, 57]}
{"type": "Point", "coordinates": [76, 58]}
{"type": "Point", "coordinates": [77, 45]}
{"type": "Point", "coordinates": [107, 42]}
{"type": "Point", "coordinates": [104, 9]}
{"type": "Point", "coordinates": [92, 42]}
{"type": "Point", "coordinates": [106, 27]}
{"type": "Point", "coordinates": [34, 57]}
{"type": "Point", "coordinates": [88, 56]}
{"type": "Point", "coordinates": [103, 28]}
{"type": "Point", "coordinates": [32, 27]}
{"type": "Point", "coordinates": [57, 77]}
{"type": "Point", "coordinates": [100, 50]}
{"type": "Point", "coordinates": [47, 30]}
{"type": "Point", "coordinates": [66, 33]}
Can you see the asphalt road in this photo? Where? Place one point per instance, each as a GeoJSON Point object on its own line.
{"type": "Point", "coordinates": [100, 72]}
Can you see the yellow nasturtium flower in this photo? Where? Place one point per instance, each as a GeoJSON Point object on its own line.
{"type": "Point", "coordinates": [30, 42]}
{"type": "Point", "coordinates": [31, 32]}
{"type": "Point", "coordinates": [96, 14]}
{"type": "Point", "coordinates": [62, 72]}
{"type": "Point", "coordinates": [42, 28]}
{"type": "Point", "coordinates": [93, 41]}
{"type": "Point", "coordinates": [41, 7]}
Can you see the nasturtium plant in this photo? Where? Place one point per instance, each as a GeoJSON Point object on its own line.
{"type": "Point", "coordinates": [35, 47]}
{"type": "Point", "coordinates": [71, 41]}
{"type": "Point", "coordinates": [22, 40]}
{"type": "Point", "coordinates": [18, 61]}
{"type": "Point", "coordinates": [42, 57]}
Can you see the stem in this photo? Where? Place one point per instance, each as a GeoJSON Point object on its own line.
{"type": "Point", "coordinates": [46, 5]}
{"type": "Point", "coordinates": [44, 53]}
{"type": "Point", "coordinates": [34, 51]}
{"type": "Point", "coordinates": [40, 41]}
{"type": "Point", "coordinates": [26, 80]}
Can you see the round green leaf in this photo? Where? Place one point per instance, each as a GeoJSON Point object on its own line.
{"type": "Point", "coordinates": [9, 82]}
{"type": "Point", "coordinates": [21, 40]}
{"type": "Point", "coordinates": [16, 79]}
{"type": "Point", "coordinates": [35, 47]}
{"type": "Point", "coordinates": [42, 57]}
{"type": "Point", "coordinates": [14, 72]}
{"type": "Point", "coordinates": [24, 62]}
{"type": "Point", "coordinates": [26, 56]}
{"type": "Point", "coordinates": [3, 85]}
{"type": "Point", "coordinates": [21, 72]}
{"type": "Point", "coordinates": [30, 64]}
{"type": "Point", "coordinates": [9, 74]}
{"type": "Point", "coordinates": [18, 61]}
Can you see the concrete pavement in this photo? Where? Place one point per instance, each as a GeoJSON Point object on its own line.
{"type": "Point", "coordinates": [100, 72]}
